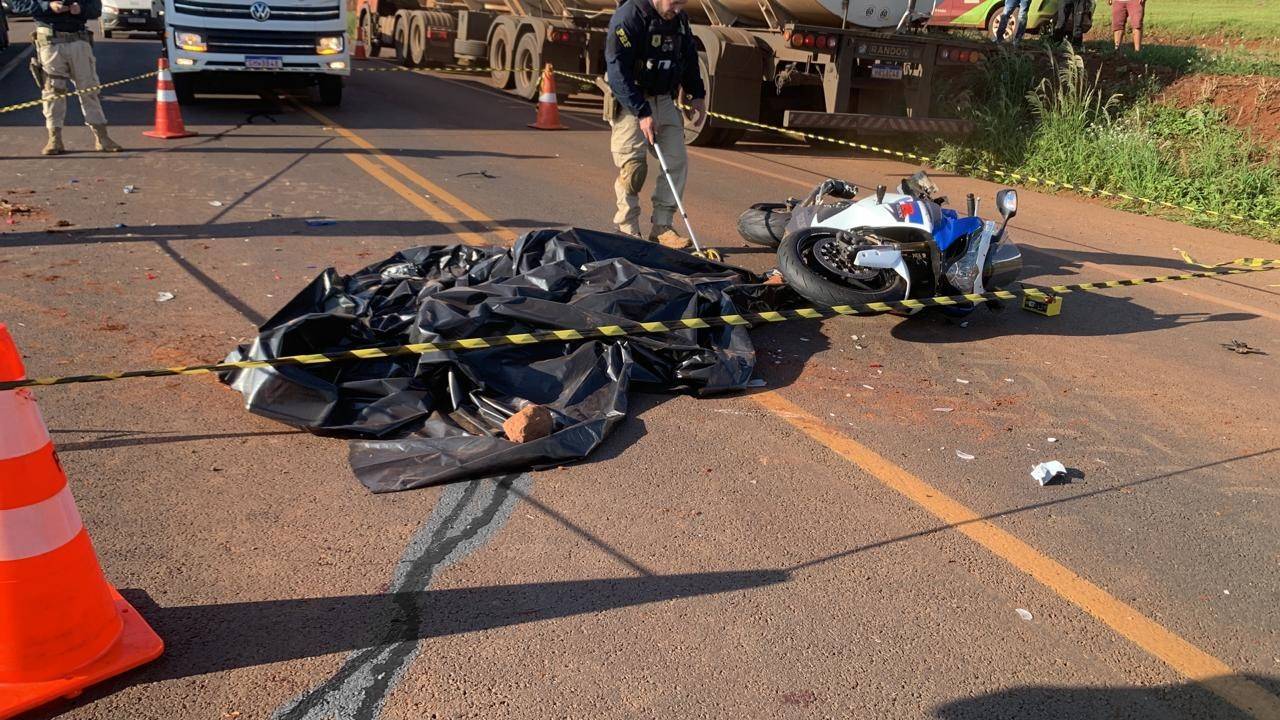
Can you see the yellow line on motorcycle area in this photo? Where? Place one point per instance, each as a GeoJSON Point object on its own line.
{"type": "Point", "coordinates": [470, 211]}
{"type": "Point", "coordinates": [1161, 643]}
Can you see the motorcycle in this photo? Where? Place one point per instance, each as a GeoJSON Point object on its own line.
{"type": "Point", "coordinates": [836, 250]}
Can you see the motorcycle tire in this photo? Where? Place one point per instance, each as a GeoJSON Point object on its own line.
{"type": "Point", "coordinates": [764, 223]}
{"type": "Point", "coordinates": [823, 290]}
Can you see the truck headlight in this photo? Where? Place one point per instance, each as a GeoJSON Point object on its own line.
{"type": "Point", "coordinates": [328, 44]}
{"type": "Point", "coordinates": [189, 41]}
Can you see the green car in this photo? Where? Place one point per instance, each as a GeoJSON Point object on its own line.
{"type": "Point", "coordinates": [1060, 18]}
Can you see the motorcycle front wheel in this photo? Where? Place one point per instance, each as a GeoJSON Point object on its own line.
{"type": "Point", "coordinates": [813, 264]}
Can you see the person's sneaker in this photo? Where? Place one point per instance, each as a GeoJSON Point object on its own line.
{"type": "Point", "coordinates": [667, 237]}
{"type": "Point", "coordinates": [628, 229]}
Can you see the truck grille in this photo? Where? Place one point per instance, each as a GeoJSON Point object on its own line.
{"type": "Point", "coordinates": [260, 42]}
{"type": "Point", "coordinates": [201, 8]}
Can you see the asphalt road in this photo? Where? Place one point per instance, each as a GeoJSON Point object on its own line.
{"type": "Point", "coordinates": [814, 549]}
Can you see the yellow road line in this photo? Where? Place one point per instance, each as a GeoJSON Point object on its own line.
{"type": "Point", "coordinates": [470, 211]}
{"type": "Point", "coordinates": [406, 192]}
{"type": "Point", "coordinates": [1155, 639]}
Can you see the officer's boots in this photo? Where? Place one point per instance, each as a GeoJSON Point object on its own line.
{"type": "Point", "coordinates": [54, 146]}
{"type": "Point", "coordinates": [666, 236]}
{"type": "Point", "coordinates": [101, 141]}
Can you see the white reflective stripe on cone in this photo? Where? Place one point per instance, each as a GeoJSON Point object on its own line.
{"type": "Point", "coordinates": [547, 97]}
{"type": "Point", "coordinates": [40, 528]}
{"type": "Point", "coordinates": [22, 430]}
{"type": "Point", "coordinates": [164, 75]}
{"type": "Point", "coordinates": [166, 96]}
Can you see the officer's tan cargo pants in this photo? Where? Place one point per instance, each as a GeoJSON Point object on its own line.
{"type": "Point", "coordinates": [630, 155]}
{"type": "Point", "coordinates": [66, 62]}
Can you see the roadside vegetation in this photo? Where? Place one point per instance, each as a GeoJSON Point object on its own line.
{"type": "Point", "coordinates": [1230, 59]}
{"type": "Point", "coordinates": [1070, 126]}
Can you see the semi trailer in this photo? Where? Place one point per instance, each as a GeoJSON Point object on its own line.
{"type": "Point", "coordinates": [853, 66]}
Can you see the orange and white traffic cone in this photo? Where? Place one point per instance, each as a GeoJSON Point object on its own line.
{"type": "Point", "coordinates": [168, 115]}
{"type": "Point", "coordinates": [62, 627]}
{"type": "Point", "coordinates": [359, 52]}
{"type": "Point", "coordinates": [548, 108]}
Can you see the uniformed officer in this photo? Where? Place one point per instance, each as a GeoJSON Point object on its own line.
{"type": "Point", "coordinates": [650, 56]}
{"type": "Point", "coordinates": [65, 48]}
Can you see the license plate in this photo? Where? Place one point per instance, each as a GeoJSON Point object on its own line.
{"type": "Point", "coordinates": [886, 72]}
{"type": "Point", "coordinates": [136, 20]}
{"type": "Point", "coordinates": [264, 62]}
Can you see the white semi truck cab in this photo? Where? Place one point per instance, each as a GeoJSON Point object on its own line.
{"type": "Point", "coordinates": [220, 46]}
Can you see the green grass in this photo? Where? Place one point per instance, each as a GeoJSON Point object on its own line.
{"type": "Point", "coordinates": [1229, 60]}
{"type": "Point", "coordinates": [1067, 129]}
{"type": "Point", "coordinates": [1246, 19]}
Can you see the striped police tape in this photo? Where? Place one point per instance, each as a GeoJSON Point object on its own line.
{"type": "Point", "coordinates": [77, 91]}
{"type": "Point", "coordinates": [972, 169]}
{"type": "Point", "coordinates": [651, 327]}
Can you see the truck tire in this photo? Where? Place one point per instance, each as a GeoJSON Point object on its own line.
{"type": "Point", "coordinates": [500, 54]}
{"type": "Point", "coordinates": [819, 289]}
{"type": "Point", "coordinates": [372, 44]}
{"type": "Point", "coordinates": [527, 66]}
{"type": "Point", "coordinates": [417, 41]}
{"type": "Point", "coordinates": [399, 36]}
{"type": "Point", "coordinates": [184, 88]}
{"type": "Point", "coordinates": [705, 134]}
{"type": "Point", "coordinates": [330, 88]}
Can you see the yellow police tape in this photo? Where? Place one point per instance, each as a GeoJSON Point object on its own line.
{"type": "Point", "coordinates": [907, 155]}
{"type": "Point", "coordinates": [77, 91]}
{"type": "Point", "coordinates": [1042, 294]}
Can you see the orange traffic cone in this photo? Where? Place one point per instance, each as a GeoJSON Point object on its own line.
{"type": "Point", "coordinates": [62, 627]}
{"type": "Point", "coordinates": [548, 109]}
{"type": "Point", "coordinates": [168, 115]}
{"type": "Point", "coordinates": [359, 53]}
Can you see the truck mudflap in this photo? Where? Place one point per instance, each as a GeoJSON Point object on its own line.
{"type": "Point", "coordinates": [809, 120]}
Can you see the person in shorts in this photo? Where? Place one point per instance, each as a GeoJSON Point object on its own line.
{"type": "Point", "coordinates": [1130, 10]}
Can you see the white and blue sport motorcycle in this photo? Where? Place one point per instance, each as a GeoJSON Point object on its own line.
{"type": "Point", "coordinates": [836, 250]}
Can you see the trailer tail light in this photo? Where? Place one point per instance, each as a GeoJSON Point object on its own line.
{"type": "Point", "coordinates": [562, 36]}
{"type": "Point", "coordinates": [833, 42]}
{"type": "Point", "coordinates": [975, 57]}
{"type": "Point", "coordinates": [437, 34]}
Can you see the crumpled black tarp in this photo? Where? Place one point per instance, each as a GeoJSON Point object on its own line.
{"type": "Point", "coordinates": [418, 421]}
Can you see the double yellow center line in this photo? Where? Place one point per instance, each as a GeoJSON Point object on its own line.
{"type": "Point", "coordinates": [1153, 638]}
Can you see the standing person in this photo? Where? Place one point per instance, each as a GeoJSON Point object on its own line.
{"type": "Point", "coordinates": [1023, 8]}
{"type": "Point", "coordinates": [1131, 10]}
{"type": "Point", "coordinates": [650, 56]}
{"type": "Point", "coordinates": [65, 48]}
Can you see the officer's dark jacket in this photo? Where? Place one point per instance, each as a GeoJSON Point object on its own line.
{"type": "Point", "coordinates": [646, 55]}
{"type": "Point", "coordinates": [61, 22]}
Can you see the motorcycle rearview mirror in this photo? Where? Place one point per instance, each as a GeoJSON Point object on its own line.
{"type": "Point", "coordinates": [880, 191]}
{"type": "Point", "coordinates": [1007, 203]}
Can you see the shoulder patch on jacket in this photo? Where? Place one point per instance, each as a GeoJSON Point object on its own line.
{"type": "Point", "coordinates": [622, 37]}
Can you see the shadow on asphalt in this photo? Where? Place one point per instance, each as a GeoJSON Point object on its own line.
{"type": "Point", "coordinates": [130, 438]}
{"type": "Point", "coordinates": [1025, 508]}
{"type": "Point", "coordinates": [1192, 700]}
{"type": "Point", "coordinates": [204, 639]}
{"type": "Point", "coordinates": [1088, 314]}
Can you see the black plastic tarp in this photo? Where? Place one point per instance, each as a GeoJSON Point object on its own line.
{"type": "Point", "coordinates": [418, 421]}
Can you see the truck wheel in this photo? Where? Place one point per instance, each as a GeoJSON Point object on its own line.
{"type": "Point", "coordinates": [330, 90]}
{"type": "Point", "coordinates": [527, 66]}
{"type": "Point", "coordinates": [417, 39]}
{"type": "Point", "coordinates": [705, 134]}
{"type": "Point", "coordinates": [184, 88]}
{"type": "Point", "coordinates": [993, 25]}
{"type": "Point", "coordinates": [500, 57]}
{"type": "Point", "coordinates": [369, 22]}
{"type": "Point", "coordinates": [399, 35]}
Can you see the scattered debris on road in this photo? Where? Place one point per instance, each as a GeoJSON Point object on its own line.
{"type": "Point", "coordinates": [1024, 614]}
{"type": "Point", "coordinates": [532, 422]}
{"type": "Point", "coordinates": [164, 296]}
{"type": "Point", "coordinates": [1049, 472]}
{"type": "Point", "coordinates": [130, 189]}
{"type": "Point", "coordinates": [964, 455]}
{"type": "Point", "coordinates": [320, 222]}
{"type": "Point", "coordinates": [1242, 348]}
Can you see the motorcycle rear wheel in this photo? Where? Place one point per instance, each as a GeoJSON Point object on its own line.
{"type": "Point", "coordinates": [806, 275]}
{"type": "Point", "coordinates": [764, 223]}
